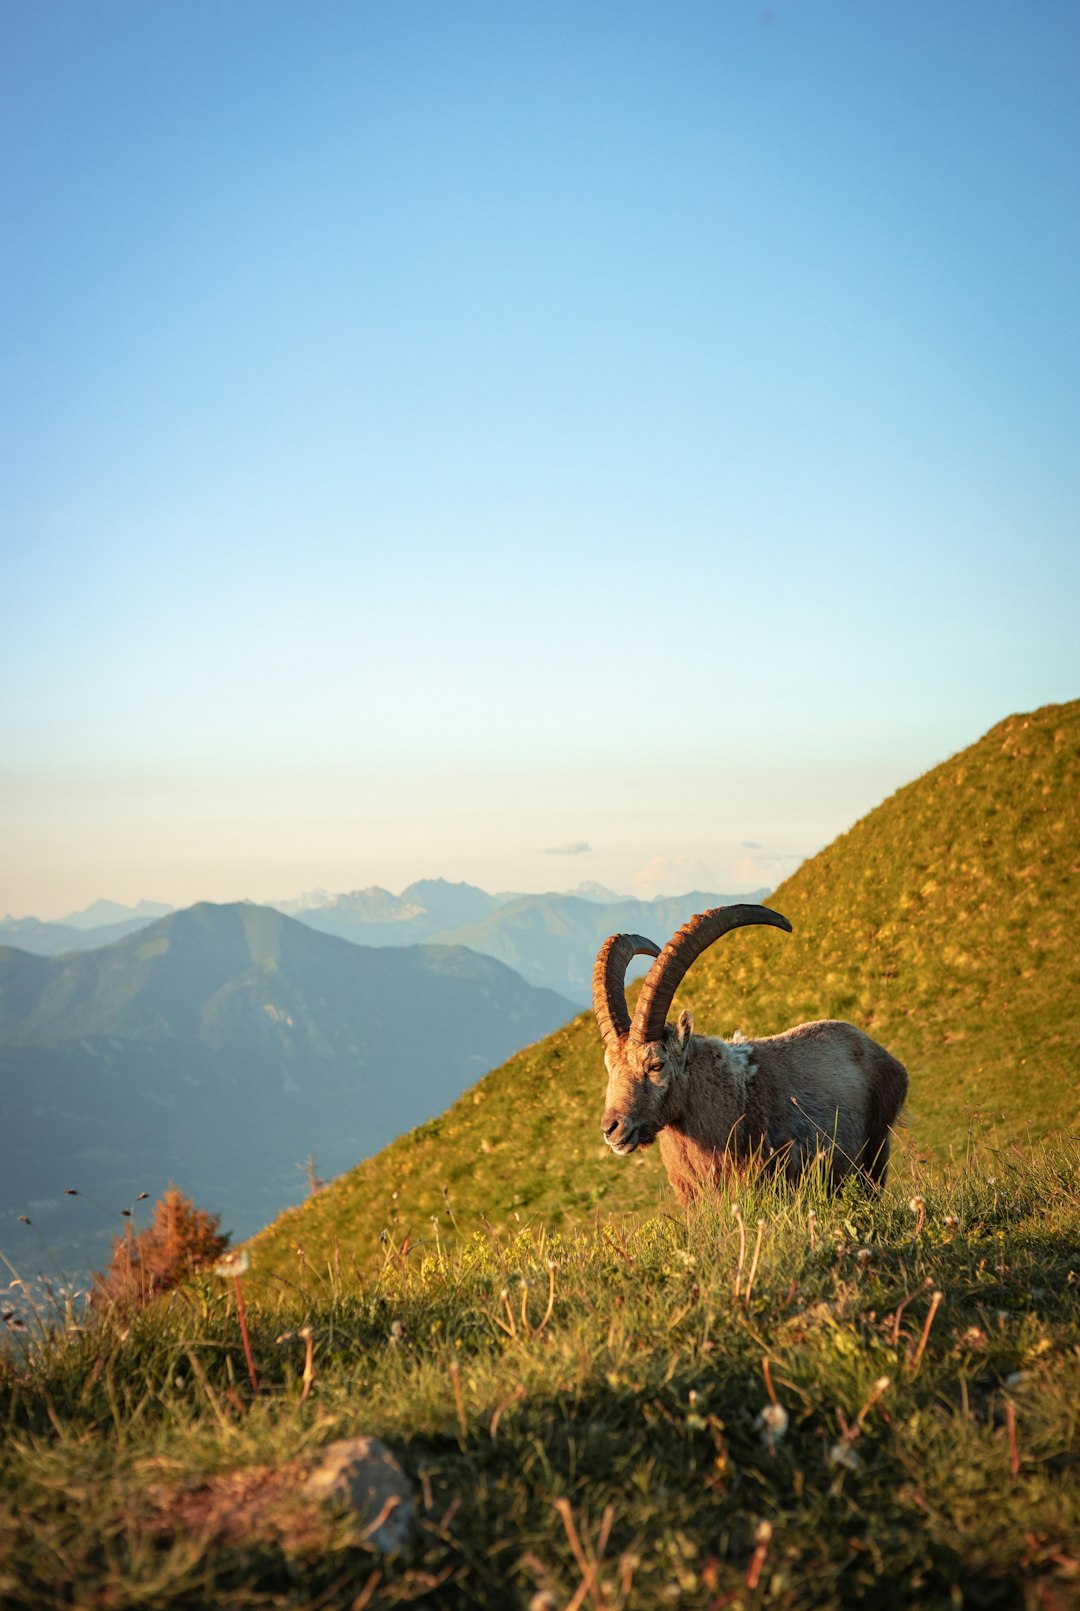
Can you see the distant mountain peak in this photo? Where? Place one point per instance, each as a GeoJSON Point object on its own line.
{"type": "Point", "coordinates": [590, 890]}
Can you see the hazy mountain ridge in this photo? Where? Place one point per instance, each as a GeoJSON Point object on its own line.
{"type": "Point", "coordinates": [517, 929]}
{"type": "Point", "coordinates": [53, 939]}
{"type": "Point", "coordinates": [552, 940]}
{"type": "Point", "coordinates": [222, 1046]}
{"type": "Point", "coordinates": [945, 921]}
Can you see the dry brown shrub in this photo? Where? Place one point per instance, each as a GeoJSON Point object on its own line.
{"type": "Point", "coordinates": [180, 1239]}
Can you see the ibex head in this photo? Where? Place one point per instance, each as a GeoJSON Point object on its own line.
{"type": "Point", "coordinates": [646, 1057]}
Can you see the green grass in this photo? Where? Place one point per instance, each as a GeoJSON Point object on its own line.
{"type": "Point", "coordinates": [606, 1384]}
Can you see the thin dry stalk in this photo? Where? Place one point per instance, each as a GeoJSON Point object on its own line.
{"type": "Point", "coordinates": [617, 1241]}
{"type": "Point", "coordinates": [551, 1297]}
{"type": "Point", "coordinates": [737, 1211]}
{"type": "Point", "coordinates": [309, 1361]}
{"type": "Point", "coordinates": [244, 1334]}
{"type": "Point", "coordinates": [898, 1312]}
{"type": "Point", "coordinates": [515, 1398]}
{"type": "Point", "coordinates": [589, 1569]}
{"type": "Point", "coordinates": [761, 1549]}
{"type": "Point", "coordinates": [769, 1388]}
{"type": "Point", "coordinates": [881, 1386]}
{"type": "Point", "coordinates": [1014, 1447]}
{"type": "Point", "coordinates": [204, 1383]}
{"type": "Point", "coordinates": [510, 1329]}
{"type": "Point", "coordinates": [754, 1260]}
{"type": "Point", "coordinates": [364, 1598]}
{"type": "Point", "coordinates": [459, 1401]}
{"type": "Point", "coordinates": [935, 1304]}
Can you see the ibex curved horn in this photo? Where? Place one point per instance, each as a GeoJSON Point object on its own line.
{"type": "Point", "coordinates": [683, 949]}
{"type": "Point", "coordinates": [609, 982]}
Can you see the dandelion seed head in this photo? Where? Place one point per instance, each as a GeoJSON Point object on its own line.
{"type": "Point", "coordinates": [773, 1422]}
{"type": "Point", "coordinates": [233, 1264]}
{"type": "Point", "coordinates": [842, 1454]}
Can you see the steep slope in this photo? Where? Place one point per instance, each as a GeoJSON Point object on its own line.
{"type": "Point", "coordinates": [945, 922]}
{"type": "Point", "coordinates": [224, 1045]}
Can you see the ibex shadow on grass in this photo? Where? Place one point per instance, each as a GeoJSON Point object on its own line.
{"type": "Point", "coordinates": [720, 1107]}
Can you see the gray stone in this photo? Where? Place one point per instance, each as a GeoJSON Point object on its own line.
{"type": "Point", "coordinates": [364, 1473]}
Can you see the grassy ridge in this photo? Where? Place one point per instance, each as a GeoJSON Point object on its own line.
{"type": "Point", "coordinates": [944, 922]}
{"type": "Point", "coordinates": [559, 1401]}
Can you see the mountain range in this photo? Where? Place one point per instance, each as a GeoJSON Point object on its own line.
{"type": "Point", "coordinates": [223, 1045]}
{"type": "Point", "coordinates": [550, 939]}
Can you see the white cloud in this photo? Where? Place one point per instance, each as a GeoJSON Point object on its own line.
{"type": "Point", "coordinates": [579, 847]}
{"type": "Point", "coordinates": [769, 868]}
{"type": "Point", "coordinates": [672, 875]}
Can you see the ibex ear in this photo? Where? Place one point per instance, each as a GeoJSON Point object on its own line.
{"type": "Point", "coordinates": [686, 1028]}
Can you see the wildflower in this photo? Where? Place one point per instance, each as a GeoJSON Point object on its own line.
{"type": "Point", "coordinates": [233, 1264]}
{"type": "Point", "coordinates": [842, 1454]}
{"type": "Point", "coordinates": [397, 1332]}
{"type": "Point", "coordinates": [863, 1256]}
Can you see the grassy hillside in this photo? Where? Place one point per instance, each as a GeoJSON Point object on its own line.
{"type": "Point", "coordinates": [813, 1405]}
{"type": "Point", "coordinates": [945, 922]}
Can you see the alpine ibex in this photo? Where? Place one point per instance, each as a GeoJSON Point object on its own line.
{"type": "Point", "coordinates": [720, 1106]}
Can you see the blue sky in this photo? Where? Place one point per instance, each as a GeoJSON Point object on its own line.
{"type": "Point", "coordinates": [436, 434]}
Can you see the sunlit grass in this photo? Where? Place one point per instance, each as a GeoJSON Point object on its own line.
{"type": "Point", "coordinates": [784, 1399]}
